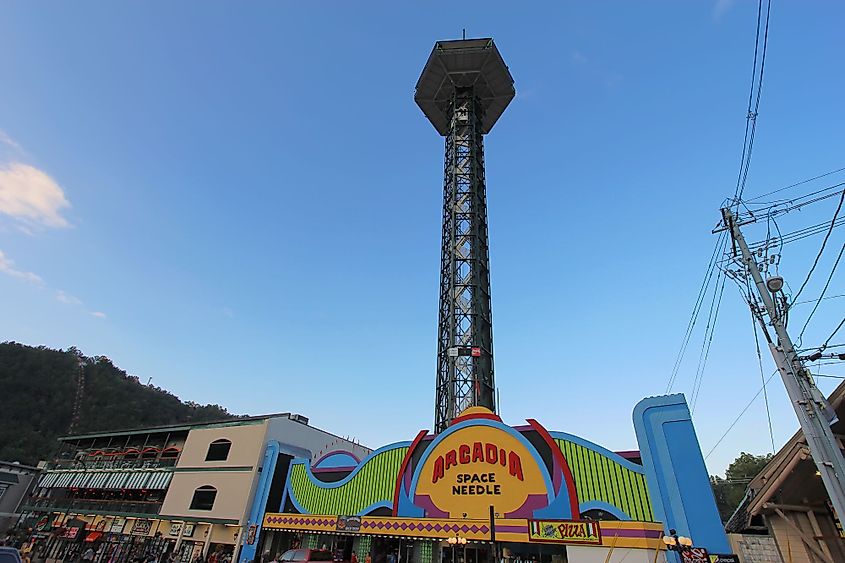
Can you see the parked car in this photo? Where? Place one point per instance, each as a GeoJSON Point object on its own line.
{"type": "Point", "coordinates": [9, 555]}
{"type": "Point", "coordinates": [297, 555]}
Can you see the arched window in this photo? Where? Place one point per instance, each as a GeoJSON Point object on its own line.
{"type": "Point", "coordinates": [218, 450]}
{"type": "Point", "coordinates": [204, 498]}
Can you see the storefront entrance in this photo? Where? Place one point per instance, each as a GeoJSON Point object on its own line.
{"type": "Point", "coordinates": [533, 553]}
{"type": "Point", "coordinates": [467, 553]}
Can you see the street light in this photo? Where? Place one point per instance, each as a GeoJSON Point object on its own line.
{"type": "Point", "coordinates": [674, 542]}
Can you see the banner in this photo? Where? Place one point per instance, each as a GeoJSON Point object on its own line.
{"type": "Point", "coordinates": [564, 531]}
{"type": "Point", "coordinates": [348, 524]}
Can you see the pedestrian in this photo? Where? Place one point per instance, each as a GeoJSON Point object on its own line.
{"type": "Point", "coordinates": [368, 558]}
{"type": "Point", "coordinates": [88, 555]}
{"type": "Point", "coordinates": [354, 558]}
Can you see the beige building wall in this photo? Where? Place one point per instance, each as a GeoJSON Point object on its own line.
{"type": "Point", "coordinates": [234, 489]}
{"type": "Point", "coordinates": [247, 445]}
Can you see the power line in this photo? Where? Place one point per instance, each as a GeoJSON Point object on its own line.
{"type": "Point", "coordinates": [763, 380]}
{"type": "Point", "coordinates": [813, 300]}
{"type": "Point", "coordinates": [742, 412]}
{"type": "Point", "coordinates": [751, 115]}
{"type": "Point", "coordinates": [761, 196]}
{"type": "Point", "coordinates": [788, 205]}
{"type": "Point", "coordinates": [821, 250]}
{"type": "Point", "coordinates": [702, 292]}
{"type": "Point", "coordinates": [821, 295]}
{"type": "Point", "coordinates": [832, 334]}
{"type": "Point", "coordinates": [712, 317]}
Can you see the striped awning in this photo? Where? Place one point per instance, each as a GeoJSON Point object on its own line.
{"type": "Point", "coordinates": [106, 479]}
{"type": "Point", "coordinates": [48, 479]}
{"type": "Point", "coordinates": [64, 480]}
{"type": "Point", "coordinates": [97, 480]}
{"type": "Point", "coordinates": [159, 480]}
{"type": "Point", "coordinates": [116, 480]}
{"type": "Point", "coordinates": [137, 480]}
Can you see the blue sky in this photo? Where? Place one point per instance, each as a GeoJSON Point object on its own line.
{"type": "Point", "coordinates": [242, 201]}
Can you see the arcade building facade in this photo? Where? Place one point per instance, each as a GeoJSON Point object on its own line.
{"type": "Point", "coordinates": [482, 491]}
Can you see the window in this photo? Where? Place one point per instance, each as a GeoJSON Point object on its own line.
{"type": "Point", "coordinates": [204, 498]}
{"type": "Point", "coordinates": [218, 450]}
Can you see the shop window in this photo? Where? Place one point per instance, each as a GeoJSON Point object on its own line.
{"type": "Point", "coordinates": [218, 450]}
{"type": "Point", "coordinates": [204, 498]}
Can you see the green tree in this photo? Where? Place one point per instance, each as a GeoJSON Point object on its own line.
{"type": "Point", "coordinates": [730, 490]}
{"type": "Point", "coordinates": [39, 390]}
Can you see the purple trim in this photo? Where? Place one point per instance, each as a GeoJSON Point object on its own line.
{"type": "Point", "coordinates": [629, 454]}
{"type": "Point", "coordinates": [532, 503]}
{"type": "Point", "coordinates": [431, 511]}
{"type": "Point", "coordinates": [523, 428]}
{"type": "Point", "coordinates": [332, 469]}
{"type": "Point", "coordinates": [511, 529]}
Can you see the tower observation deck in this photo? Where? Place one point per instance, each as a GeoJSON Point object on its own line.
{"type": "Point", "coordinates": [464, 87]}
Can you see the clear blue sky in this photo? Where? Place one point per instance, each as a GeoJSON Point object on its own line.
{"type": "Point", "coordinates": [242, 202]}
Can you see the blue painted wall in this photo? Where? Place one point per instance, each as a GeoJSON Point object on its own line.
{"type": "Point", "coordinates": [675, 472]}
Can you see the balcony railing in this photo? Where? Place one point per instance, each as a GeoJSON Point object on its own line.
{"type": "Point", "coordinates": [81, 505]}
{"type": "Point", "coordinates": [112, 464]}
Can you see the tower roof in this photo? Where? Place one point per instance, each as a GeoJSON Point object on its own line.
{"type": "Point", "coordinates": [461, 63]}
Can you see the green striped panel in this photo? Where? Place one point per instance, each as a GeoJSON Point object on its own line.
{"type": "Point", "coordinates": [374, 482]}
{"type": "Point", "coordinates": [599, 478]}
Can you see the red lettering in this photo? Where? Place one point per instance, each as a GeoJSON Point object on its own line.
{"type": "Point", "coordinates": [514, 466]}
{"type": "Point", "coordinates": [463, 454]}
{"type": "Point", "coordinates": [503, 459]}
{"type": "Point", "coordinates": [477, 452]}
{"type": "Point", "coordinates": [437, 474]}
{"type": "Point", "coordinates": [451, 459]}
{"type": "Point", "coordinates": [492, 452]}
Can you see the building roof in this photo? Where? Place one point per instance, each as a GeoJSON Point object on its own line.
{"type": "Point", "coordinates": [177, 427]}
{"type": "Point", "coordinates": [790, 477]}
{"type": "Point", "coordinates": [464, 63]}
{"type": "Point", "coordinates": [17, 465]}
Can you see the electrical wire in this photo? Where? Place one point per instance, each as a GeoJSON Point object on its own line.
{"type": "Point", "coordinates": [787, 206]}
{"type": "Point", "coordinates": [821, 295]}
{"type": "Point", "coordinates": [712, 317]}
{"type": "Point", "coordinates": [797, 235]}
{"type": "Point", "coordinates": [813, 300]}
{"type": "Point", "coordinates": [721, 241]}
{"type": "Point", "coordinates": [763, 379]}
{"type": "Point", "coordinates": [751, 115]}
{"type": "Point", "coordinates": [742, 412]}
{"type": "Point", "coordinates": [821, 250]}
{"type": "Point", "coordinates": [761, 196]}
{"type": "Point", "coordinates": [832, 334]}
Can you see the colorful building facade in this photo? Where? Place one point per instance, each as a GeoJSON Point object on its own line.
{"type": "Point", "coordinates": [485, 491]}
{"type": "Point", "coordinates": [181, 491]}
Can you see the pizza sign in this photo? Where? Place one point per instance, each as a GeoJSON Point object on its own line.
{"type": "Point", "coordinates": [564, 531]}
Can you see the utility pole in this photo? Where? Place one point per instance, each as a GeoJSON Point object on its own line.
{"type": "Point", "coordinates": [814, 412]}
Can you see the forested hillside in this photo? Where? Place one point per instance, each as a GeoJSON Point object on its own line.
{"type": "Point", "coordinates": [37, 391]}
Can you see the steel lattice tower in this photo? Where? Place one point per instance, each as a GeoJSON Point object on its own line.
{"type": "Point", "coordinates": [464, 88]}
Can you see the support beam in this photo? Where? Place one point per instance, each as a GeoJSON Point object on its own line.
{"type": "Point", "coordinates": [808, 541]}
